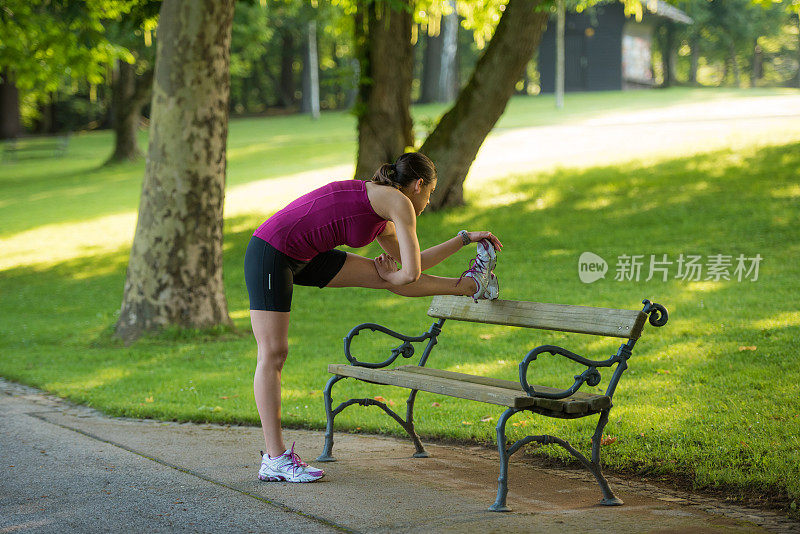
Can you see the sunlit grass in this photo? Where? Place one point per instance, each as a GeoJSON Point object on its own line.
{"type": "Point", "coordinates": [692, 404]}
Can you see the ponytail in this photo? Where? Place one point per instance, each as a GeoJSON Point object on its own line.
{"type": "Point", "coordinates": [387, 175]}
{"type": "Point", "coordinates": [408, 168]}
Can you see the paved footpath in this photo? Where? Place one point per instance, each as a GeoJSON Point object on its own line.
{"type": "Point", "coordinates": [67, 468]}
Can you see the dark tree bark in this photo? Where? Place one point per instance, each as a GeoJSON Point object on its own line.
{"type": "Point", "coordinates": [47, 122]}
{"type": "Point", "coordinates": [175, 269]}
{"type": "Point", "coordinates": [734, 61]}
{"type": "Point", "coordinates": [454, 143]}
{"type": "Point", "coordinates": [286, 86]}
{"type": "Point", "coordinates": [795, 82]}
{"type": "Point", "coordinates": [310, 102]}
{"type": "Point", "coordinates": [129, 95]}
{"type": "Point", "coordinates": [448, 76]}
{"type": "Point", "coordinates": [439, 62]}
{"type": "Point", "coordinates": [667, 39]}
{"type": "Point", "coordinates": [758, 63]}
{"type": "Point", "coordinates": [383, 40]}
{"type": "Point", "coordinates": [431, 68]}
{"type": "Point", "coordinates": [694, 44]}
{"type": "Point", "coordinates": [10, 125]}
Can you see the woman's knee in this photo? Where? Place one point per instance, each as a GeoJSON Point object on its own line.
{"type": "Point", "coordinates": [273, 356]}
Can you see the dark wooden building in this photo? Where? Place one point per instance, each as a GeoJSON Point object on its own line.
{"type": "Point", "coordinates": [603, 49]}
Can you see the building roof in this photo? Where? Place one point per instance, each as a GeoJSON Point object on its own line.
{"type": "Point", "coordinates": [663, 9]}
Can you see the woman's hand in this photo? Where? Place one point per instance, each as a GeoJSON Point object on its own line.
{"type": "Point", "coordinates": [386, 265]}
{"type": "Point", "coordinates": [474, 237]}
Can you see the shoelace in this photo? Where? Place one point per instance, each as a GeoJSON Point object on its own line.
{"type": "Point", "coordinates": [295, 459]}
{"type": "Point", "coordinates": [475, 264]}
{"type": "Point", "coordinates": [292, 457]}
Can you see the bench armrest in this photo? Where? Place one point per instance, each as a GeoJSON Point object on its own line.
{"type": "Point", "coordinates": [658, 316]}
{"type": "Point", "coordinates": [590, 376]}
{"type": "Point", "coordinates": [405, 349]}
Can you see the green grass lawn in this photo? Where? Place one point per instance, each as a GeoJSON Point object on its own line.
{"type": "Point", "coordinates": [692, 406]}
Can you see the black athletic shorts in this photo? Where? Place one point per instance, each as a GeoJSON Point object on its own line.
{"type": "Point", "coordinates": [270, 274]}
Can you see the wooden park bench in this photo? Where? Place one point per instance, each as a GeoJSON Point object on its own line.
{"type": "Point", "coordinates": [515, 396]}
{"type": "Point", "coordinates": [32, 147]}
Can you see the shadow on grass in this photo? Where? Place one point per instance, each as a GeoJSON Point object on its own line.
{"type": "Point", "coordinates": [694, 403]}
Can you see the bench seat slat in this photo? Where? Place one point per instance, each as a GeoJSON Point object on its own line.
{"type": "Point", "coordinates": [578, 403]}
{"type": "Point", "coordinates": [483, 389]}
{"type": "Point", "coordinates": [559, 317]}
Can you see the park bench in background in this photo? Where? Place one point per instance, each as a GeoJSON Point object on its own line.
{"type": "Point", "coordinates": [515, 396]}
{"type": "Point", "coordinates": [49, 146]}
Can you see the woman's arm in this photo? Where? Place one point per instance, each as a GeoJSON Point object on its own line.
{"type": "Point", "coordinates": [404, 222]}
{"type": "Point", "coordinates": [436, 254]}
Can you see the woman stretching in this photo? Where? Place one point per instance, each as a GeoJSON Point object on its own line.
{"type": "Point", "coordinates": [296, 246]}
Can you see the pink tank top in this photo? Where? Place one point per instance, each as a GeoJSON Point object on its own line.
{"type": "Point", "coordinates": [335, 214]}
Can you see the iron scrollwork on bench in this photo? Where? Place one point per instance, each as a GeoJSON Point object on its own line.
{"type": "Point", "coordinates": [590, 376]}
{"type": "Point", "coordinates": [657, 316]}
{"type": "Point", "coordinates": [405, 349]}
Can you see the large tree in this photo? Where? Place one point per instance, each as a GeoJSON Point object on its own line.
{"type": "Point", "coordinates": [383, 31]}
{"type": "Point", "coordinates": [175, 270]}
{"type": "Point", "coordinates": [130, 91]}
{"type": "Point", "coordinates": [383, 42]}
{"type": "Point", "coordinates": [10, 126]}
{"type": "Point", "coordinates": [132, 77]}
{"type": "Point", "coordinates": [455, 141]}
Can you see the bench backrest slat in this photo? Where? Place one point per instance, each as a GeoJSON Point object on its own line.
{"type": "Point", "coordinates": [560, 317]}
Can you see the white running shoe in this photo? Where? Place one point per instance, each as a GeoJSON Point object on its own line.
{"type": "Point", "coordinates": [289, 467]}
{"type": "Point", "coordinates": [480, 270]}
{"type": "Point", "coordinates": [492, 290]}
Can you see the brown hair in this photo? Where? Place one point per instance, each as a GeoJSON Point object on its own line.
{"type": "Point", "coordinates": [407, 169]}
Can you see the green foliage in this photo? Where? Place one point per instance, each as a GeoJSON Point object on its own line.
{"type": "Point", "coordinates": [792, 6]}
{"type": "Point", "coordinates": [724, 30]}
{"type": "Point", "coordinates": [47, 43]}
{"type": "Point", "coordinates": [263, 32]}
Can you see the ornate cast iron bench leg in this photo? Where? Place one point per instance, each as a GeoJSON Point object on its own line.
{"type": "Point", "coordinates": [408, 424]}
{"type": "Point", "coordinates": [609, 499]}
{"type": "Point", "coordinates": [326, 455]}
{"type": "Point", "coordinates": [502, 482]}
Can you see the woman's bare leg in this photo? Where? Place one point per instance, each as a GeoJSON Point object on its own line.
{"type": "Point", "coordinates": [271, 330]}
{"type": "Point", "coordinates": [359, 271]}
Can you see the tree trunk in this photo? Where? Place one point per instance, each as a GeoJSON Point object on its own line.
{"type": "Point", "coordinates": [439, 73]}
{"type": "Point", "coordinates": [670, 56]}
{"type": "Point", "coordinates": [310, 102]}
{"type": "Point", "coordinates": [45, 124]}
{"type": "Point", "coordinates": [694, 44]}
{"type": "Point", "coordinates": [175, 269]}
{"type": "Point", "coordinates": [737, 78]}
{"type": "Point", "coordinates": [383, 108]}
{"type": "Point", "coordinates": [10, 125]}
{"type": "Point", "coordinates": [448, 79]}
{"type": "Point", "coordinates": [129, 95]}
{"type": "Point", "coordinates": [796, 80]}
{"type": "Point", "coordinates": [758, 64]}
{"type": "Point", "coordinates": [432, 68]}
{"type": "Point", "coordinates": [286, 89]}
{"type": "Point", "coordinates": [667, 57]}
{"type": "Point", "coordinates": [351, 91]}
{"type": "Point", "coordinates": [454, 143]}
{"type": "Point", "coordinates": [560, 59]}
